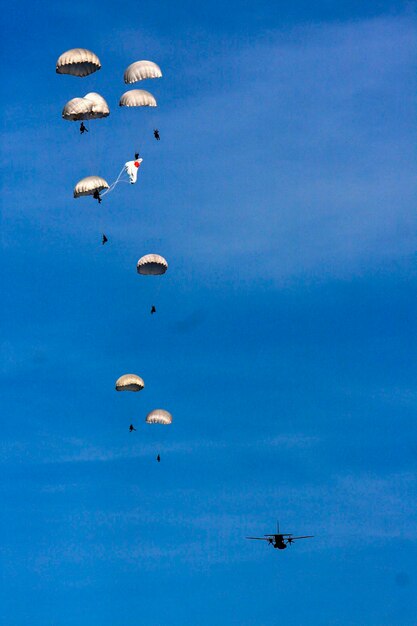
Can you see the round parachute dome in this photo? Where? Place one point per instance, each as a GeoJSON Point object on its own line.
{"type": "Point", "coordinates": [76, 109]}
{"type": "Point", "coordinates": [129, 382]}
{"type": "Point", "coordinates": [78, 62]}
{"type": "Point", "coordinates": [137, 98]}
{"type": "Point", "coordinates": [91, 107]}
{"type": "Point", "coordinates": [99, 107]}
{"type": "Point", "coordinates": [141, 70]}
{"type": "Point", "coordinates": [159, 416]}
{"type": "Point", "coordinates": [152, 265]}
{"type": "Point", "coordinates": [87, 186]}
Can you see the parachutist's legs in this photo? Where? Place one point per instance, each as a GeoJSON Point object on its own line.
{"type": "Point", "coordinates": [96, 196]}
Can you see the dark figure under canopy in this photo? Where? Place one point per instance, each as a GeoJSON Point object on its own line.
{"type": "Point", "coordinates": [96, 196]}
{"type": "Point", "coordinates": [131, 428]}
{"type": "Point", "coordinates": [156, 134]}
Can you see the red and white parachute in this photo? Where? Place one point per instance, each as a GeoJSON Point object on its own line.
{"type": "Point", "coordinates": [131, 168]}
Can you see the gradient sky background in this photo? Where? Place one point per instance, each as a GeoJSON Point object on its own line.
{"type": "Point", "coordinates": [281, 194]}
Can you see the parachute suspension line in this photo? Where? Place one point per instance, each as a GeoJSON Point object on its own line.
{"type": "Point", "coordinates": [116, 182]}
{"type": "Point", "coordinates": [93, 143]}
{"type": "Point", "coordinates": [157, 290]}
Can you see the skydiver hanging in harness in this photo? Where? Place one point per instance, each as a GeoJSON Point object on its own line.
{"type": "Point", "coordinates": [153, 310]}
{"type": "Point", "coordinates": [158, 458]}
{"type": "Point", "coordinates": [104, 239]}
{"type": "Point", "coordinates": [156, 134]}
{"type": "Point", "coordinates": [131, 428]}
{"type": "Point", "coordinates": [83, 129]}
{"type": "Point", "coordinates": [96, 196]}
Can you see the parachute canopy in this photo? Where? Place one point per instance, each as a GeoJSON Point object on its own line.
{"type": "Point", "coordinates": [140, 70]}
{"type": "Point", "coordinates": [152, 265]}
{"type": "Point", "coordinates": [131, 168]}
{"type": "Point", "coordinates": [129, 382]}
{"type": "Point", "coordinates": [76, 109]}
{"type": "Point", "coordinates": [159, 416]}
{"type": "Point", "coordinates": [99, 107]}
{"type": "Point", "coordinates": [91, 107]}
{"type": "Point", "coordinates": [78, 62]}
{"type": "Point", "coordinates": [87, 186]}
{"type": "Point", "coordinates": [137, 98]}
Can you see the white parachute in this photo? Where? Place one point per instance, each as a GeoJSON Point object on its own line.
{"type": "Point", "coordinates": [90, 185]}
{"type": "Point", "coordinates": [78, 62]}
{"type": "Point", "coordinates": [152, 265]}
{"type": "Point", "coordinates": [137, 98]}
{"type": "Point", "coordinates": [76, 109]}
{"type": "Point", "coordinates": [130, 382]}
{"type": "Point", "coordinates": [90, 107]}
{"type": "Point", "coordinates": [141, 70]}
{"type": "Point", "coordinates": [159, 416]}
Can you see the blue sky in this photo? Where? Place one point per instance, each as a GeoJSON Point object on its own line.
{"type": "Point", "coordinates": [281, 194]}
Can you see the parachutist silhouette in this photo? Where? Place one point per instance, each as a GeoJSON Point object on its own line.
{"type": "Point", "coordinates": [83, 129]}
{"type": "Point", "coordinates": [136, 155]}
{"type": "Point", "coordinates": [156, 134]}
{"type": "Point", "coordinates": [153, 310]}
{"type": "Point", "coordinates": [158, 458]}
{"type": "Point", "coordinates": [104, 239]}
{"type": "Point", "coordinates": [131, 428]}
{"type": "Point", "coordinates": [96, 196]}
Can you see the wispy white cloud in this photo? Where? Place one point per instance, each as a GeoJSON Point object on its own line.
{"type": "Point", "coordinates": [304, 166]}
{"type": "Point", "coordinates": [74, 450]}
{"type": "Point", "coordinates": [360, 508]}
{"type": "Point", "coordinates": [289, 441]}
{"type": "Point", "coordinates": [346, 511]}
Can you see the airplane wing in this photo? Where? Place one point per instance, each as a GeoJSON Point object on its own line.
{"type": "Point", "coordinates": [259, 538]}
{"type": "Point", "coordinates": [304, 537]}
